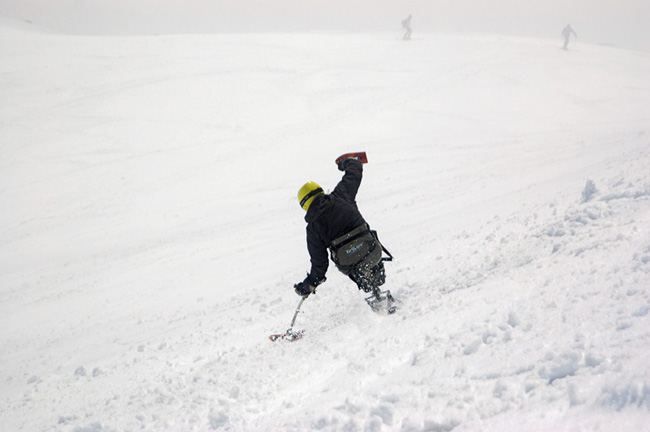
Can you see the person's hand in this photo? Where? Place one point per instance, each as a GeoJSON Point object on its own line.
{"type": "Point", "coordinates": [343, 163]}
{"type": "Point", "coordinates": [304, 288]}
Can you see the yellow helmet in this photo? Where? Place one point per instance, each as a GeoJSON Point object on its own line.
{"type": "Point", "coordinates": [308, 193]}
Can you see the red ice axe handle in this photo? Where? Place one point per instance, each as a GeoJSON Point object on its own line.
{"type": "Point", "coordinates": [361, 156]}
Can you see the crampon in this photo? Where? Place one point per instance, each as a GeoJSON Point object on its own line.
{"type": "Point", "coordinates": [379, 299]}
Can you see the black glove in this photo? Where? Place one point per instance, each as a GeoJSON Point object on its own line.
{"type": "Point", "coordinates": [307, 287]}
{"type": "Point", "coordinates": [343, 163]}
{"type": "Point", "coordinates": [304, 288]}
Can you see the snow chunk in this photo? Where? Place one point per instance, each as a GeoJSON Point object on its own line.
{"type": "Point", "coordinates": [575, 396]}
{"type": "Point", "coordinates": [631, 394]}
{"type": "Point", "coordinates": [218, 420]}
{"type": "Point", "coordinates": [384, 412]}
{"type": "Point", "coordinates": [593, 359]}
{"type": "Point", "coordinates": [445, 426]}
{"type": "Point", "coordinates": [33, 379]}
{"type": "Point", "coordinates": [500, 389]}
{"type": "Point", "coordinates": [513, 319]}
{"type": "Point", "coordinates": [589, 191]}
{"type": "Point", "coordinates": [628, 194]}
{"type": "Point", "coordinates": [472, 347]}
{"type": "Point", "coordinates": [93, 427]}
{"type": "Point", "coordinates": [642, 311]}
{"type": "Point", "coordinates": [563, 366]}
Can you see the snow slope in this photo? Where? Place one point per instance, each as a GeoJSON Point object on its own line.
{"type": "Point", "coordinates": [150, 233]}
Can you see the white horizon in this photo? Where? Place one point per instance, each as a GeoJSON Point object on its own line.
{"type": "Point", "coordinates": [618, 23]}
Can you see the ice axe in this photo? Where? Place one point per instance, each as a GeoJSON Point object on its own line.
{"type": "Point", "coordinates": [361, 156]}
{"type": "Point", "coordinates": [290, 334]}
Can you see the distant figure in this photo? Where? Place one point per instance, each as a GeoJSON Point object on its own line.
{"type": "Point", "coordinates": [567, 35]}
{"type": "Point", "coordinates": [406, 24]}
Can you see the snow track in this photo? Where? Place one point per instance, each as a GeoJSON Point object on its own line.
{"type": "Point", "coordinates": [151, 236]}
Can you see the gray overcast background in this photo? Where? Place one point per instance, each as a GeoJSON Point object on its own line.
{"type": "Point", "coordinates": [624, 23]}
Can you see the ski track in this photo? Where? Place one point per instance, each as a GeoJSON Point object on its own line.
{"type": "Point", "coordinates": [523, 274]}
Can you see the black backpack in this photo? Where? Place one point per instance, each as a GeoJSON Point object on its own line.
{"type": "Point", "coordinates": [358, 250]}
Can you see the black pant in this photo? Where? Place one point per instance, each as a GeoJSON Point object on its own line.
{"type": "Point", "coordinates": [368, 279]}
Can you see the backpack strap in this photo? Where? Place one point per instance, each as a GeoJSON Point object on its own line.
{"type": "Point", "coordinates": [390, 256]}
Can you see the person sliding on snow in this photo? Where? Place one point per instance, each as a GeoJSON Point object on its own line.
{"type": "Point", "coordinates": [566, 33]}
{"type": "Point", "coordinates": [406, 24]}
{"type": "Point", "coordinates": [335, 223]}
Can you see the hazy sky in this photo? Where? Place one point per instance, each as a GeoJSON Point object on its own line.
{"type": "Point", "coordinates": [624, 23]}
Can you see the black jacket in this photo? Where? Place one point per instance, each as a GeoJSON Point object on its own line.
{"type": "Point", "coordinates": [331, 216]}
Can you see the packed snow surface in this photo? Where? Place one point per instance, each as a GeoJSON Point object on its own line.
{"type": "Point", "coordinates": [150, 233]}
